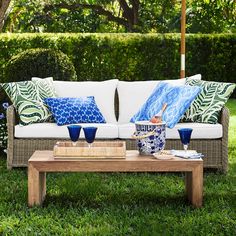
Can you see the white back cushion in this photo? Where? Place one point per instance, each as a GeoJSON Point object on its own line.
{"type": "Point", "coordinates": [103, 92]}
{"type": "Point", "coordinates": [132, 95]}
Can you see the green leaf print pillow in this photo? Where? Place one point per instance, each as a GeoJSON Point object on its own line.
{"type": "Point", "coordinates": [27, 97]}
{"type": "Point", "coordinates": [208, 104]}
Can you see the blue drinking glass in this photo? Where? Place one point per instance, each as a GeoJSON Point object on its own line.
{"type": "Point", "coordinates": [74, 131]}
{"type": "Point", "coordinates": [90, 133]}
{"type": "Point", "coordinates": [185, 135]}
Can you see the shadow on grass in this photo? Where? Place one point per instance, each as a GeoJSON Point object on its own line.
{"type": "Point", "coordinates": [144, 190]}
{"type": "Point", "coordinates": [143, 200]}
{"type": "Point", "coordinates": [97, 190]}
{"type": "Point", "coordinates": [116, 201]}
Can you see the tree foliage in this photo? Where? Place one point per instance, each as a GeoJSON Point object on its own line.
{"type": "Point", "coordinates": [211, 16]}
{"type": "Point", "coordinates": [203, 16]}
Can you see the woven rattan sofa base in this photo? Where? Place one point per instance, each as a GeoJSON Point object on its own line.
{"type": "Point", "coordinates": [215, 150]}
{"type": "Point", "coordinates": [24, 148]}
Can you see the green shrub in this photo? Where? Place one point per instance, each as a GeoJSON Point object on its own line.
{"type": "Point", "coordinates": [133, 56]}
{"type": "Point", "coordinates": [33, 62]}
{"type": "Point", "coordinates": [39, 63]}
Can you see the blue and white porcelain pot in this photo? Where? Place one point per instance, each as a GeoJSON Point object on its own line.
{"type": "Point", "coordinates": [150, 137]}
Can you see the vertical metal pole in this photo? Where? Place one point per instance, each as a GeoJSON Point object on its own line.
{"type": "Point", "coordinates": [182, 49]}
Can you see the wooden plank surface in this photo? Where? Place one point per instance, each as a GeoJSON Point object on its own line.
{"type": "Point", "coordinates": [36, 186]}
{"type": "Point", "coordinates": [131, 155]}
{"type": "Point", "coordinates": [194, 186]}
{"type": "Point", "coordinates": [44, 161]}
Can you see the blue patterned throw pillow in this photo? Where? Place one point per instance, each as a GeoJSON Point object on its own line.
{"type": "Point", "coordinates": [75, 110]}
{"type": "Point", "coordinates": [178, 99]}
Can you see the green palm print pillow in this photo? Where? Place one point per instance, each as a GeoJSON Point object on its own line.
{"type": "Point", "coordinates": [208, 104]}
{"type": "Point", "coordinates": [27, 97]}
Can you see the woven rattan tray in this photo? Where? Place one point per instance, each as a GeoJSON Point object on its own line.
{"type": "Point", "coordinates": [99, 149]}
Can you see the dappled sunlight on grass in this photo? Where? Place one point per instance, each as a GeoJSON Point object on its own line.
{"type": "Point", "coordinates": [231, 104]}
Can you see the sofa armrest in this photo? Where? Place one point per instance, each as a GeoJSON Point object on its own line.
{"type": "Point", "coordinates": [11, 121]}
{"type": "Point", "coordinates": [11, 115]}
{"type": "Point", "coordinates": [224, 120]}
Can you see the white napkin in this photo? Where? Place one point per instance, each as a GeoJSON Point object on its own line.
{"type": "Point", "coordinates": [186, 154]}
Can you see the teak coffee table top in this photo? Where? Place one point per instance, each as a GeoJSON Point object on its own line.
{"type": "Point", "coordinates": [42, 162]}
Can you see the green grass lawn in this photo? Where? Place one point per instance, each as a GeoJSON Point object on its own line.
{"type": "Point", "coordinates": [120, 204]}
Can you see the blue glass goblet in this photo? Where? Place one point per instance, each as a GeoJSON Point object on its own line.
{"type": "Point", "coordinates": [90, 133]}
{"type": "Point", "coordinates": [74, 131]}
{"type": "Point", "coordinates": [185, 135]}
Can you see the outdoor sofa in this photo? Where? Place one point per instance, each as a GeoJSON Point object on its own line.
{"type": "Point", "coordinates": [118, 100]}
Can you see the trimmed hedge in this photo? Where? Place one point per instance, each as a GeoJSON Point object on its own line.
{"type": "Point", "coordinates": [39, 63]}
{"type": "Point", "coordinates": [132, 56]}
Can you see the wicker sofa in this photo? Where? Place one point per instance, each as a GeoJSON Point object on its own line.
{"type": "Point", "coordinates": [21, 148]}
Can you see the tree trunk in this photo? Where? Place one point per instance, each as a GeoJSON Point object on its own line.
{"type": "Point", "coordinates": [4, 4]}
{"type": "Point", "coordinates": [130, 13]}
{"type": "Point", "coordinates": [135, 9]}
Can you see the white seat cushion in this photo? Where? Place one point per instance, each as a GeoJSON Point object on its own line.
{"type": "Point", "coordinates": [200, 130]}
{"type": "Point", "coordinates": [103, 92]}
{"type": "Point", "coordinates": [132, 95]}
{"type": "Point", "coordinates": [51, 130]}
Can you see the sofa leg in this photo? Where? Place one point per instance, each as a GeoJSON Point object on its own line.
{"type": "Point", "coordinates": [224, 170]}
{"type": "Point", "coordinates": [224, 162]}
{"type": "Point", "coordinates": [9, 158]}
{"type": "Point", "coordinates": [9, 167]}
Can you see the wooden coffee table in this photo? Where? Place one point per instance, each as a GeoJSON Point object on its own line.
{"type": "Point", "coordinates": [42, 162]}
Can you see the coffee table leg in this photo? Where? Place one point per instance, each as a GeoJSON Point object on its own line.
{"type": "Point", "coordinates": [36, 186]}
{"type": "Point", "coordinates": [194, 186]}
{"type": "Point", "coordinates": [42, 178]}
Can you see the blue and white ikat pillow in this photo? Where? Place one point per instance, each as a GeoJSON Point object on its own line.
{"type": "Point", "coordinates": [178, 99]}
{"type": "Point", "coordinates": [74, 110]}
